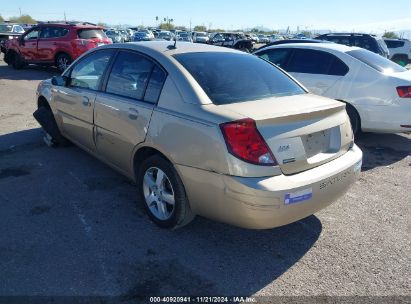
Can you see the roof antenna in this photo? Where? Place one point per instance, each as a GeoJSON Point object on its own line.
{"type": "Point", "coordinates": [173, 47]}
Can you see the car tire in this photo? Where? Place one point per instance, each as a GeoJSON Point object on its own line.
{"type": "Point", "coordinates": [17, 61]}
{"type": "Point", "coordinates": [354, 119]}
{"type": "Point", "coordinates": [63, 60]}
{"type": "Point", "coordinates": [8, 58]}
{"type": "Point", "coordinates": [162, 193]}
{"type": "Point", "coordinates": [52, 136]}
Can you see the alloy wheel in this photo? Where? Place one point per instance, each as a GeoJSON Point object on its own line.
{"type": "Point", "coordinates": [158, 193]}
{"type": "Point", "coordinates": [62, 63]}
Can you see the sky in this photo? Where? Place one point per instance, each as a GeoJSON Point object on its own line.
{"type": "Point", "coordinates": [348, 15]}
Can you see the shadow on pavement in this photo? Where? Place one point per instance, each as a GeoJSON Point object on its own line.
{"type": "Point", "coordinates": [30, 72]}
{"type": "Point", "coordinates": [383, 149]}
{"type": "Point", "coordinates": [73, 228]}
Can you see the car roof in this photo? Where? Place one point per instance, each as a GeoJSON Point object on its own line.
{"type": "Point", "coordinates": [165, 47]}
{"type": "Point", "coordinates": [72, 25]}
{"type": "Point", "coordinates": [348, 34]}
{"type": "Point", "coordinates": [329, 46]}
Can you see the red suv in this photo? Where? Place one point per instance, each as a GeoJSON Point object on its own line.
{"type": "Point", "coordinates": [55, 44]}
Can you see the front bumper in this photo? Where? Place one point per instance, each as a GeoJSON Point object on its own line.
{"type": "Point", "coordinates": [268, 202]}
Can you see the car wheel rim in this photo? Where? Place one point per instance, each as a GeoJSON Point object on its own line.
{"type": "Point", "coordinates": [158, 193]}
{"type": "Point", "coordinates": [63, 63]}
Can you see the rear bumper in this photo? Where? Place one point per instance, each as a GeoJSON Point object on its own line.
{"type": "Point", "coordinates": [386, 119]}
{"type": "Point", "coordinates": [267, 202]}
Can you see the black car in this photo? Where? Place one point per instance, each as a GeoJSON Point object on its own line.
{"type": "Point", "coordinates": [366, 41]}
{"type": "Point", "coordinates": [232, 40]}
{"type": "Point", "coordinates": [286, 41]}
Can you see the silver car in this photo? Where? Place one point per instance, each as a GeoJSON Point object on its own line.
{"type": "Point", "coordinates": [204, 130]}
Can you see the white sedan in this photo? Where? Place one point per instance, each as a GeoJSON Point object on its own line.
{"type": "Point", "coordinates": [376, 90]}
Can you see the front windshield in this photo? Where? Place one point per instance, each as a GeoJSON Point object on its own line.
{"type": "Point", "coordinates": [5, 28]}
{"type": "Point", "coordinates": [234, 77]}
{"type": "Point", "coordinates": [201, 35]}
{"type": "Point", "coordinates": [376, 61]}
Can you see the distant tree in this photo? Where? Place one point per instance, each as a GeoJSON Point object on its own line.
{"type": "Point", "coordinates": [102, 24]}
{"type": "Point", "coordinates": [307, 34]}
{"type": "Point", "coordinates": [181, 28]}
{"type": "Point", "coordinates": [390, 35]}
{"type": "Point", "coordinates": [23, 19]}
{"type": "Point", "coordinates": [166, 26]}
{"type": "Point", "coordinates": [1, 19]}
{"type": "Point", "coordinates": [216, 30]}
{"type": "Point", "coordinates": [200, 28]}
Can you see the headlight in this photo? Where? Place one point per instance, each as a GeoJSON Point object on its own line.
{"type": "Point", "coordinates": [11, 37]}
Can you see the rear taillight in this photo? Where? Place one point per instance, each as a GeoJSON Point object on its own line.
{"type": "Point", "coordinates": [84, 42]}
{"type": "Point", "coordinates": [404, 91]}
{"type": "Point", "coordinates": [245, 142]}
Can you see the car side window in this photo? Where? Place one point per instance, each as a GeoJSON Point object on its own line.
{"type": "Point", "coordinates": [53, 32]}
{"type": "Point", "coordinates": [158, 76]}
{"type": "Point", "coordinates": [89, 71]}
{"type": "Point", "coordinates": [392, 44]}
{"type": "Point", "coordinates": [364, 43]}
{"type": "Point", "coordinates": [33, 35]}
{"type": "Point", "coordinates": [129, 75]}
{"type": "Point", "coordinates": [277, 56]}
{"type": "Point", "coordinates": [312, 62]}
{"type": "Point", "coordinates": [338, 67]}
{"type": "Point", "coordinates": [18, 29]}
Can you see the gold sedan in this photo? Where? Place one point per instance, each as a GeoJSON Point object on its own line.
{"type": "Point", "coordinates": [204, 130]}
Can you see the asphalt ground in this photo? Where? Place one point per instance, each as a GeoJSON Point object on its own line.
{"type": "Point", "coordinates": [71, 226]}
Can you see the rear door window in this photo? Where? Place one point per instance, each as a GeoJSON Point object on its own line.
{"type": "Point", "coordinates": [53, 32]}
{"type": "Point", "coordinates": [277, 56]}
{"type": "Point", "coordinates": [316, 62]}
{"type": "Point", "coordinates": [365, 43]}
{"type": "Point", "coordinates": [129, 75]}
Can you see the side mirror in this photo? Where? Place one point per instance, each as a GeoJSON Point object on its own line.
{"type": "Point", "coordinates": [21, 41]}
{"type": "Point", "coordinates": [59, 81]}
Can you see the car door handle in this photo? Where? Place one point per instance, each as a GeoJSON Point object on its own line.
{"type": "Point", "coordinates": [132, 113]}
{"type": "Point", "coordinates": [86, 101]}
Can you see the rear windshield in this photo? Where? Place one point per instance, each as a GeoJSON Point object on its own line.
{"type": "Point", "coordinates": [377, 62]}
{"type": "Point", "coordinates": [91, 33]}
{"type": "Point", "coordinates": [392, 44]}
{"type": "Point", "coordinates": [233, 77]}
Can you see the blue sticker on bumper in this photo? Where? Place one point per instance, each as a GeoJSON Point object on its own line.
{"type": "Point", "coordinates": [297, 197]}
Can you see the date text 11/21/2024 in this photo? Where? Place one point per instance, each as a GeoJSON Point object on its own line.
{"type": "Point", "coordinates": [205, 299]}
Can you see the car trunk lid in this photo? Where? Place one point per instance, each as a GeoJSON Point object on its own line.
{"type": "Point", "coordinates": [302, 131]}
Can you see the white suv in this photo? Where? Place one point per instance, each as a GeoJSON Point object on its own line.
{"type": "Point", "coordinates": [400, 50]}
